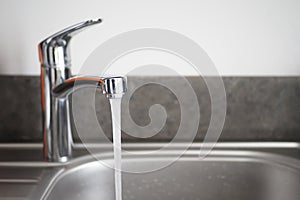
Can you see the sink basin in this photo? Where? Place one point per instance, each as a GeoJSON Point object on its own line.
{"type": "Point", "coordinates": [224, 174]}
{"type": "Point", "coordinates": [232, 171]}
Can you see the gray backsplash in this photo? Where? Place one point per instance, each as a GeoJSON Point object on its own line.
{"type": "Point", "coordinates": [258, 109]}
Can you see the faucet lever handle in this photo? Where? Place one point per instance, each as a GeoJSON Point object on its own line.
{"type": "Point", "coordinates": [54, 50]}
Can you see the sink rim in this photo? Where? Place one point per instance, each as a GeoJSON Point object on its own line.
{"type": "Point", "coordinates": [192, 155]}
{"type": "Point", "coordinates": [269, 148]}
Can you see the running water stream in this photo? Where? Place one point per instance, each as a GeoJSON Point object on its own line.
{"type": "Point", "coordinates": [115, 106]}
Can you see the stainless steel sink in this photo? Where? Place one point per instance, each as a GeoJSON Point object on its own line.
{"type": "Point", "coordinates": [260, 171]}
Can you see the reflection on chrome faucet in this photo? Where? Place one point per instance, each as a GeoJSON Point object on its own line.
{"type": "Point", "coordinates": [57, 83]}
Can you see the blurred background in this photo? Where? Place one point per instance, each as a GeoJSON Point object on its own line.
{"type": "Point", "coordinates": [243, 38]}
{"type": "Point", "coordinates": [253, 44]}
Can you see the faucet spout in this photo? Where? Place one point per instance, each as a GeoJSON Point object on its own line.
{"type": "Point", "coordinates": [111, 87]}
{"type": "Point", "coordinates": [59, 137]}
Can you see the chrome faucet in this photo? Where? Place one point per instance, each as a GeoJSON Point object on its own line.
{"type": "Point", "coordinates": [56, 85]}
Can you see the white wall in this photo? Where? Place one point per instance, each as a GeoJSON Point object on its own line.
{"type": "Point", "coordinates": [243, 37]}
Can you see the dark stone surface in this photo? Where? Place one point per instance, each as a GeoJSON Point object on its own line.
{"type": "Point", "coordinates": [258, 109]}
{"type": "Point", "coordinates": [20, 115]}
